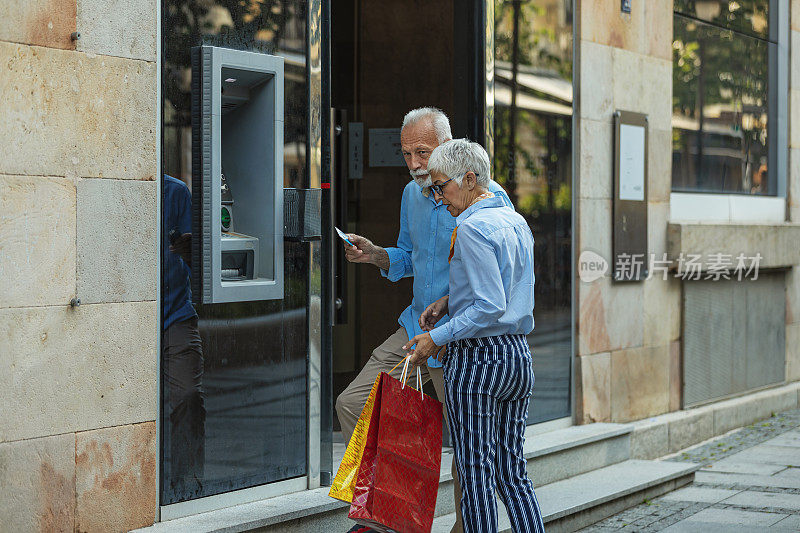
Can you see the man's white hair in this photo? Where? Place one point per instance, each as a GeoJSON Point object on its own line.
{"type": "Point", "coordinates": [459, 156]}
{"type": "Point", "coordinates": [440, 122]}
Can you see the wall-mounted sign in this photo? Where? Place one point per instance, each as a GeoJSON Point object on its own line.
{"type": "Point", "coordinates": [384, 148]}
{"type": "Point", "coordinates": [629, 242]}
{"type": "Point", "coordinates": [631, 162]}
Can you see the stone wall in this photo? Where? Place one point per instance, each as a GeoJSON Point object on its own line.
{"type": "Point", "coordinates": [628, 334]}
{"type": "Point", "coordinates": [793, 182]}
{"type": "Point", "coordinates": [78, 202]}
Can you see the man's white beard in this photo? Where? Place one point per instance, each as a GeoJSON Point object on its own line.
{"type": "Point", "coordinates": [420, 177]}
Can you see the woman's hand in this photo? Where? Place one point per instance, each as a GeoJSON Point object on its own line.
{"type": "Point", "coordinates": [433, 313]}
{"type": "Point", "coordinates": [425, 348]}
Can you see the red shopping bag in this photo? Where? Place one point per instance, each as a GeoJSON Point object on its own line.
{"type": "Point", "coordinates": [398, 478]}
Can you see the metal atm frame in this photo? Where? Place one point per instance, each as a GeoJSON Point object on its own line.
{"type": "Point", "coordinates": [246, 88]}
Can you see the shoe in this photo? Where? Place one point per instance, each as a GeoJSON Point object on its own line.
{"type": "Point", "coordinates": [358, 528]}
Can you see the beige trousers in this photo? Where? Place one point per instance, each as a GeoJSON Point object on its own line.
{"type": "Point", "coordinates": [351, 401]}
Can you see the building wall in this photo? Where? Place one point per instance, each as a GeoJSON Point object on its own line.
{"type": "Point", "coordinates": [78, 203]}
{"type": "Point", "coordinates": [793, 182]}
{"type": "Point", "coordinates": [628, 335]}
{"type": "Point", "coordinates": [628, 363]}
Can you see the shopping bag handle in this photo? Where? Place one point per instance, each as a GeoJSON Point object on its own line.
{"type": "Point", "coordinates": [404, 376]}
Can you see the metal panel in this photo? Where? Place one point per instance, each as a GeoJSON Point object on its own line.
{"type": "Point", "coordinates": [766, 331]}
{"type": "Point", "coordinates": [315, 128]}
{"type": "Point", "coordinates": [779, 94]}
{"type": "Point", "coordinates": [734, 336]}
{"type": "Point", "coordinates": [629, 211]}
{"type": "Point", "coordinates": [159, 318]}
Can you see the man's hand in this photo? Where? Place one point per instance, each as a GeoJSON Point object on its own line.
{"type": "Point", "coordinates": [365, 252]}
{"type": "Point", "coordinates": [425, 348]}
{"type": "Point", "coordinates": [433, 313]}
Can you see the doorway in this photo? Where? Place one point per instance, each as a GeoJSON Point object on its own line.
{"type": "Point", "coordinates": [388, 58]}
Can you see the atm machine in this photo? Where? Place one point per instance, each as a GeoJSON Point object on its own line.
{"type": "Point", "coordinates": [237, 175]}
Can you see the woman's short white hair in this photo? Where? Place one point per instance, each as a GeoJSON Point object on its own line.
{"type": "Point", "coordinates": [459, 156]}
{"type": "Point", "coordinates": [440, 122]}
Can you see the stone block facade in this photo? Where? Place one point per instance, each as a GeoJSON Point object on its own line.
{"type": "Point", "coordinates": [626, 333]}
{"type": "Point", "coordinates": [629, 335]}
{"type": "Point", "coordinates": [793, 194]}
{"type": "Point", "coordinates": [78, 196]}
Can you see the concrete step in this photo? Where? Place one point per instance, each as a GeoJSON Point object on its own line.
{"type": "Point", "coordinates": [582, 500]}
{"type": "Point", "coordinates": [552, 456]}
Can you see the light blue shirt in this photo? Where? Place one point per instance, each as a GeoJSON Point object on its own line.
{"type": "Point", "coordinates": [491, 275]}
{"type": "Point", "coordinates": [423, 247]}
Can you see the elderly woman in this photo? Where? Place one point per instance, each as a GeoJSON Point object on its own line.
{"type": "Point", "coordinates": [487, 367]}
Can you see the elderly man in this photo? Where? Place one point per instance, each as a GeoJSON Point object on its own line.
{"type": "Point", "coordinates": [488, 370]}
{"type": "Point", "coordinates": [422, 250]}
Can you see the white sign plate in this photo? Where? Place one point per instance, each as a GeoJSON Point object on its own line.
{"type": "Point", "coordinates": [631, 162]}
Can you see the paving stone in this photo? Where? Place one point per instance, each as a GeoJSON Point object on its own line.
{"type": "Point", "coordinates": [733, 516]}
{"type": "Point", "coordinates": [751, 461]}
{"type": "Point", "coordinates": [787, 439]}
{"type": "Point", "coordinates": [744, 480]}
{"type": "Point", "coordinates": [734, 467]}
{"type": "Point", "coordinates": [790, 522]}
{"type": "Point", "coordinates": [685, 526]}
{"type": "Point", "coordinates": [761, 499]}
{"type": "Point", "coordinates": [763, 453]}
{"type": "Point", "coordinates": [789, 474]}
{"type": "Point", "coordinates": [700, 494]}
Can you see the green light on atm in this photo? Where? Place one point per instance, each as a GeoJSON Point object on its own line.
{"type": "Point", "coordinates": [226, 219]}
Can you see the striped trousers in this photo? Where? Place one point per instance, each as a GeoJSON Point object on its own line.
{"type": "Point", "coordinates": [488, 383]}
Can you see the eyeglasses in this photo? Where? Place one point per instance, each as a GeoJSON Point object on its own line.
{"type": "Point", "coordinates": [438, 188]}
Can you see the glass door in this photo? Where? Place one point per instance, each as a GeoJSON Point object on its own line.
{"type": "Point", "coordinates": [235, 374]}
{"type": "Point", "coordinates": [533, 161]}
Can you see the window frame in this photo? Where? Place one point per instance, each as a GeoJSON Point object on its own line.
{"type": "Point", "coordinates": [742, 207]}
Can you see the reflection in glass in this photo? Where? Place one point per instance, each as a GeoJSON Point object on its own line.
{"type": "Point", "coordinates": [248, 372]}
{"type": "Point", "coordinates": [745, 16]}
{"type": "Point", "coordinates": [720, 110]}
{"type": "Point", "coordinates": [532, 160]}
{"type": "Point", "coordinates": [184, 437]}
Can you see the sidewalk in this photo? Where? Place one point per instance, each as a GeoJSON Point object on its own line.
{"type": "Point", "coordinates": [750, 481]}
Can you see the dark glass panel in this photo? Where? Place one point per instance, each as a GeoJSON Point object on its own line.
{"type": "Point", "coordinates": [745, 16]}
{"type": "Point", "coordinates": [720, 110]}
{"type": "Point", "coordinates": [532, 160]}
{"type": "Point", "coordinates": [244, 422]}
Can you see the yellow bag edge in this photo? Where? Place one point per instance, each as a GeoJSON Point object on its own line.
{"type": "Point", "coordinates": [345, 480]}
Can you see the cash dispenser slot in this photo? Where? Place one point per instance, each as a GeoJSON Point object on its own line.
{"type": "Point", "coordinates": [237, 175]}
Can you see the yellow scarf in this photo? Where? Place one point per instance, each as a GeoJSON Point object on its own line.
{"type": "Point", "coordinates": [453, 236]}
